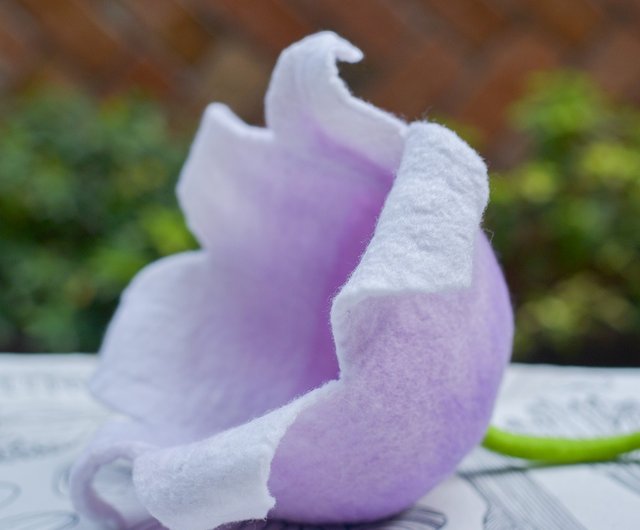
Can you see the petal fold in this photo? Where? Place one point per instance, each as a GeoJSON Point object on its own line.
{"type": "Point", "coordinates": [200, 346]}
{"type": "Point", "coordinates": [217, 480]}
{"type": "Point", "coordinates": [307, 102]}
{"type": "Point", "coordinates": [425, 236]}
{"type": "Point", "coordinates": [423, 332]}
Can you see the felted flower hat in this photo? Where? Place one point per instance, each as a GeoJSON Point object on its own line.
{"type": "Point", "coordinates": [335, 347]}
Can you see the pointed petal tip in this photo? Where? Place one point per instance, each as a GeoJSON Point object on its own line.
{"type": "Point", "coordinates": [307, 100]}
{"type": "Point", "coordinates": [220, 118]}
{"type": "Point", "coordinates": [340, 48]}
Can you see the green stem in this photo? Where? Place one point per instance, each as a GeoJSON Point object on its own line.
{"type": "Point", "coordinates": [554, 450]}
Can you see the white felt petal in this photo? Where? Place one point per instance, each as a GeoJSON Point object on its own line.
{"type": "Point", "coordinates": [188, 346]}
{"type": "Point", "coordinates": [116, 441]}
{"type": "Point", "coordinates": [221, 185]}
{"type": "Point", "coordinates": [220, 479]}
{"type": "Point", "coordinates": [307, 102]}
{"type": "Point", "coordinates": [425, 235]}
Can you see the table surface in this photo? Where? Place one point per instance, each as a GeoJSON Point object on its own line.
{"type": "Point", "coordinates": [46, 416]}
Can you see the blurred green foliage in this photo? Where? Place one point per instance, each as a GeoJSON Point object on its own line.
{"type": "Point", "coordinates": [566, 225]}
{"type": "Point", "coordinates": [86, 199]}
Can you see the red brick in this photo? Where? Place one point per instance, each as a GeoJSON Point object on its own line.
{"type": "Point", "coordinates": [14, 55]}
{"type": "Point", "coordinates": [78, 31]}
{"type": "Point", "coordinates": [414, 85]}
{"type": "Point", "coordinates": [493, 87]}
{"type": "Point", "coordinates": [18, 42]}
{"type": "Point", "coordinates": [236, 76]}
{"type": "Point", "coordinates": [574, 20]}
{"type": "Point", "coordinates": [616, 63]}
{"type": "Point", "coordinates": [464, 58]}
{"type": "Point", "coordinates": [141, 72]}
{"type": "Point", "coordinates": [270, 23]}
{"type": "Point", "coordinates": [477, 20]}
{"type": "Point", "coordinates": [179, 29]}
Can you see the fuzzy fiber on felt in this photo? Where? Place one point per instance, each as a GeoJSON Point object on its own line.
{"type": "Point", "coordinates": [335, 347]}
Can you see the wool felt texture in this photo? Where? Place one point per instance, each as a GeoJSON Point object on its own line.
{"type": "Point", "coordinates": [335, 347]}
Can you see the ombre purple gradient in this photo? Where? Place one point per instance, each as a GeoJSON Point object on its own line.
{"type": "Point", "coordinates": [314, 351]}
{"type": "Point", "coordinates": [433, 395]}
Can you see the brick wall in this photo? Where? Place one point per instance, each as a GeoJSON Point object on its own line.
{"type": "Point", "coordinates": [466, 59]}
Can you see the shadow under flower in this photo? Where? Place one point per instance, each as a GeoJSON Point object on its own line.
{"type": "Point", "coordinates": [416, 518]}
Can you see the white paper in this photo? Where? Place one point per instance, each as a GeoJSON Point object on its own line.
{"type": "Point", "coordinates": [46, 415]}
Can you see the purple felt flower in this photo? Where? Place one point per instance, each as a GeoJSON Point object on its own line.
{"type": "Point", "coordinates": [335, 348]}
